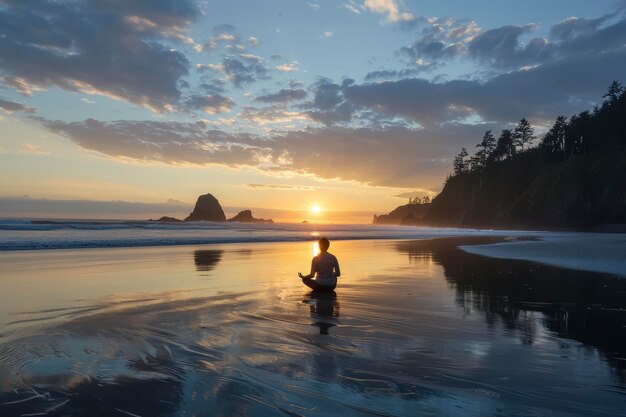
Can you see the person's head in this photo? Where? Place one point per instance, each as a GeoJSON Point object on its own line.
{"type": "Point", "coordinates": [324, 244]}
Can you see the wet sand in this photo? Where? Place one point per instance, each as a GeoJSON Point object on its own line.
{"type": "Point", "coordinates": [414, 328]}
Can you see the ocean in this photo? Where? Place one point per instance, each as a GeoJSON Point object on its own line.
{"type": "Point", "coordinates": [25, 234]}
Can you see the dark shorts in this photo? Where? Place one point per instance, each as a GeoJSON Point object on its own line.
{"type": "Point", "coordinates": [317, 287]}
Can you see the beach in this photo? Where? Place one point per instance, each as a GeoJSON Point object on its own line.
{"type": "Point", "coordinates": [598, 252]}
{"type": "Point", "coordinates": [415, 327]}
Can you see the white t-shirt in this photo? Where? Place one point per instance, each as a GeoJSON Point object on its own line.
{"type": "Point", "coordinates": [326, 268]}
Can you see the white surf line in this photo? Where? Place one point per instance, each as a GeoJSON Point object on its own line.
{"type": "Point", "coordinates": [597, 252]}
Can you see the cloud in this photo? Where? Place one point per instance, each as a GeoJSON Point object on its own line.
{"type": "Point", "coordinates": [539, 79]}
{"type": "Point", "coordinates": [167, 142]}
{"type": "Point", "coordinates": [441, 39]}
{"type": "Point", "coordinates": [388, 74]}
{"type": "Point", "coordinates": [395, 156]}
{"type": "Point", "coordinates": [464, 31]}
{"type": "Point", "coordinates": [225, 36]}
{"type": "Point", "coordinates": [11, 106]}
{"type": "Point", "coordinates": [538, 93]}
{"type": "Point", "coordinates": [34, 207]}
{"type": "Point", "coordinates": [351, 6]}
{"type": "Point", "coordinates": [117, 49]}
{"type": "Point", "coordinates": [253, 41]}
{"type": "Point", "coordinates": [209, 104]}
{"type": "Point", "coordinates": [33, 149]}
{"type": "Point", "coordinates": [430, 47]}
{"type": "Point", "coordinates": [276, 114]}
{"type": "Point", "coordinates": [314, 6]}
{"type": "Point", "coordinates": [502, 48]}
{"type": "Point", "coordinates": [572, 27]}
{"type": "Point", "coordinates": [329, 106]}
{"type": "Point", "coordinates": [242, 71]}
{"type": "Point", "coordinates": [390, 8]}
{"type": "Point", "coordinates": [289, 67]}
{"type": "Point", "coordinates": [283, 96]}
{"type": "Point", "coordinates": [282, 187]}
{"type": "Point", "coordinates": [327, 34]}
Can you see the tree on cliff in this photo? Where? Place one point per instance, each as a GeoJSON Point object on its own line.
{"type": "Point", "coordinates": [505, 147]}
{"type": "Point", "coordinates": [614, 93]}
{"type": "Point", "coordinates": [483, 154]}
{"type": "Point", "coordinates": [589, 131]}
{"type": "Point", "coordinates": [600, 129]}
{"type": "Point", "coordinates": [523, 134]}
{"type": "Point", "coordinates": [460, 164]}
{"type": "Point", "coordinates": [554, 140]}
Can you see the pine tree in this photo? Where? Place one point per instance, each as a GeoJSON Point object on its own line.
{"type": "Point", "coordinates": [615, 91]}
{"type": "Point", "coordinates": [459, 163]}
{"type": "Point", "coordinates": [486, 148]}
{"type": "Point", "coordinates": [523, 134]}
{"type": "Point", "coordinates": [505, 147]}
{"type": "Point", "coordinates": [554, 140]}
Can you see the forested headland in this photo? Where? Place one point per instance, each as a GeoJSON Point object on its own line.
{"type": "Point", "coordinates": [574, 176]}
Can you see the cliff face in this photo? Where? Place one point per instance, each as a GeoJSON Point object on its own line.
{"type": "Point", "coordinates": [406, 215]}
{"type": "Point", "coordinates": [528, 191]}
{"type": "Point", "coordinates": [207, 209]}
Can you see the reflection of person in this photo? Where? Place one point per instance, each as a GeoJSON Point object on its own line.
{"type": "Point", "coordinates": [325, 269]}
{"type": "Point", "coordinates": [324, 309]}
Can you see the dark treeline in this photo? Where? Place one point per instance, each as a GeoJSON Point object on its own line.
{"type": "Point", "coordinates": [575, 176]}
{"type": "Point", "coordinates": [600, 129]}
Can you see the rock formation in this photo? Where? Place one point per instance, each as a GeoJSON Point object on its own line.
{"type": "Point", "coordinates": [207, 209]}
{"type": "Point", "coordinates": [409, 214]}
{"type": "Point", "coordinates": [166, 219]}
{"type": "Point", "coordinates": [246, 217]}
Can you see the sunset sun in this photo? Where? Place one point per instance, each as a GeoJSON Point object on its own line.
{"type": "Point", "coordinates": [316, 209]}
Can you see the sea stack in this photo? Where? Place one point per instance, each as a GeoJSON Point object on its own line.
{"type": "Point", "coordinates": [207, 209]}
{"type": "Point", "coordinates": [246, 217]}
{"type": "Point", "coordinates": [166, 219]}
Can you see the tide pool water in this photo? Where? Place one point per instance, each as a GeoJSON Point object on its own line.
{"type": "Point", "coordinates": [416, 327]}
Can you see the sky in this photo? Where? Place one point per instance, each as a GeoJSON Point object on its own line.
{"type": "Point", "coordinates": [116, 108]}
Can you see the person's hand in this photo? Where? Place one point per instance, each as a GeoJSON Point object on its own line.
{"type": "Point", "coordinates": [300, 275]}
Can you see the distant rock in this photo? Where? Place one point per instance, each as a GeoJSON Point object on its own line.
{"type": "Point", "coordinates": [207, 209]}
{"type": "Point", "coordinates": [246, 217]}
{"type": "Point", "coordinates": [167, 219]}
{"type": "Point", "coordinates": [409, 214]}
{"type": "Point", "coordinates": [305, 222]}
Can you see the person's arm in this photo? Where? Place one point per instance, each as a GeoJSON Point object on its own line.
{"type": "Point", "coordinates": [337, 270]}
{"type": "Point", "coordinates": [311, 274]}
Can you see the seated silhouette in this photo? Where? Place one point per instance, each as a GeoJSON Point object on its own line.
{"type": "Point", "coordinates": [324, 268]}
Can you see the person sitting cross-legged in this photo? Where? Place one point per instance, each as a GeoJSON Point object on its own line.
{"type": "Point", "coordinates": [324, 268]}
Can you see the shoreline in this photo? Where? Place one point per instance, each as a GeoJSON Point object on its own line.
{"type": "Point", "coordinates": [581, 251]}
{"type": "Point", "coordinates": [597, 252]}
